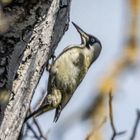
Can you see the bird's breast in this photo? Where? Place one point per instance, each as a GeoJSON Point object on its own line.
{"type": "Point", "coordinates": [67, 70]}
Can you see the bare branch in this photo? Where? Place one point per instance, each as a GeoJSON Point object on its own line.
{"type": "Point", "coordinates": [39, 129]}
{"type": "Point", "coordinates": [33, 131]}
{"type": "Point", "coordinates": [115, 133]}
{"type": "Point", "coordinates": [135, 126]}
{"type": "Point", "coordinates": [41, 135]}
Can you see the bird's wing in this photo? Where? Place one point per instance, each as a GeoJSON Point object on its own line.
{"type": "Point", "coordinates": [51, 82]}
{"type": "Point", "coordinates": [67, 72]}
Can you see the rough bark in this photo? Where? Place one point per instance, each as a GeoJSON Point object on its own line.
{"type": "Point", "coordinates": [35, 30]}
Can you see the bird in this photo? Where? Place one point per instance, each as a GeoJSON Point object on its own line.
{"type": "Point", "coordinates": [67, 72]}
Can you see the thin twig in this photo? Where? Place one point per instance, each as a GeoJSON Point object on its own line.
{"type": "Point", "coordinates": [29, 127]}
{"type": "Point", "coordinates": [39, 129]}
{"type": "Point", "coordinates": [135, 126]}
{"type": "Point", "coordinates": [115, 133]}
{"type": "Point", "coordinates": [32, 130]}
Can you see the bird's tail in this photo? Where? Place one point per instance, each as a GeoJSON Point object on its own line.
{"type": "Point", "coordinates": [57, 113]}
{"type": "Point", "coordinates": [39, 111]}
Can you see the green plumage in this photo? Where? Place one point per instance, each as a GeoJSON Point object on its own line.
{"type": "Point", "coordinates": [68, 71]}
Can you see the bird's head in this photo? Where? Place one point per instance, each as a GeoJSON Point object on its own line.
{"type": "Point", "coordinates": [89, 41]}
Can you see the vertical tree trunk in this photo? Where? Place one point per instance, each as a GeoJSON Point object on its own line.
{"type": "Point", "coordinates": [35, 28]}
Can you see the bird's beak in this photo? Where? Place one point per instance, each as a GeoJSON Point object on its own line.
{"type": "Point", "coordinates": [84, 36]}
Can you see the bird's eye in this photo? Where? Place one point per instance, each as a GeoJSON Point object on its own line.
{"type": "Point", "coordinates": [92, 40]}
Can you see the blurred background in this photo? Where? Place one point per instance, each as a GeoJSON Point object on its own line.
{"type": "Point", "coordinates": [86, 117]}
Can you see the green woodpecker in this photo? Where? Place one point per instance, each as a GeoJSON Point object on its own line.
{"type": "Point", "coordinates": [67, 72]}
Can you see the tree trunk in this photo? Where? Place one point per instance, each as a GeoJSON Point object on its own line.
{"type": "Point", "coordinates": [34, 29]}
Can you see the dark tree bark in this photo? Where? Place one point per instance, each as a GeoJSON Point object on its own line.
{"type": "Point", "coordinates": [35, 28]}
